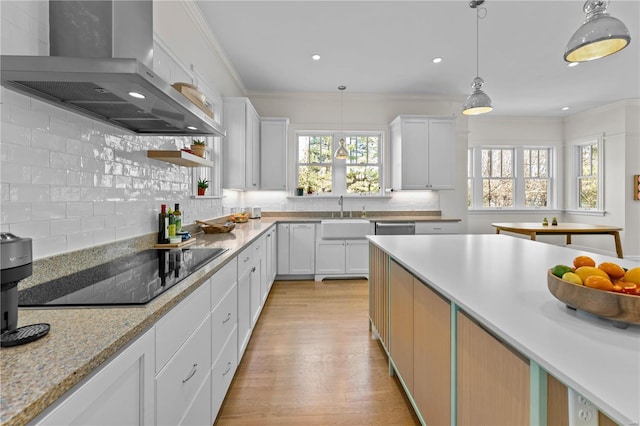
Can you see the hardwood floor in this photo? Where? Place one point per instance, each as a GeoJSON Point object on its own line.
{"type": "Point", "coordinates": [313, 361]}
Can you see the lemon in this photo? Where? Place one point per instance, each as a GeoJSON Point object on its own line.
{"type": "Point", "coordinates": [632, 276]}
{"type": "Point", "coordinates": [560, 270]}
{"type": "Point", "coordinates": [586, 271]}
{"type": "Point", "coordinates": [572, 278]}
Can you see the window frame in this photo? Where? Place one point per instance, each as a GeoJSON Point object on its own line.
{"type": "Point", "coordinates": [574, 148]}
{"type": "Point", "coordinates": [476, 179]}
{"type": "Point", "coordinates": [339, 167]}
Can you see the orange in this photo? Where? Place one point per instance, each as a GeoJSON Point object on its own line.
{"type": "Point", "coordinates": [614, 271]}
{"type": "Point", "coordinates": [586, 271]}
{"type": "Point", "coordinates": [601, 283]}
{"type": "Point", "coordinates": [583, 261]}
{"type": "Point", "coordinates": [632, 276]}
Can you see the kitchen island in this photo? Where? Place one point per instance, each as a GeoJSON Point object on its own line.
{"type": "Point", "coordinates": [498, 284]}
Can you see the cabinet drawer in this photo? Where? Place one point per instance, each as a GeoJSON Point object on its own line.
{"type": "Point", "coordinates": [245, 259]}
{"type": "Point", "coordinates": [223, 371]}
{"type": "Point", "coordinates": [200, 411]}
{"type": "Point", "coordinates": [178, 383]}
{"type": "Point", "coordinates": [174, 328]}
{"type": "Point", "coordinates": [436, 228]}
{"type": "Point", "coordinates": [223, 320]}
{"type": "Point", "coordinates": [223, 280]}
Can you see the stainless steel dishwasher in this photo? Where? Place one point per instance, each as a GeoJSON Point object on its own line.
{"type": "Point", "coordinates": [395, 228]}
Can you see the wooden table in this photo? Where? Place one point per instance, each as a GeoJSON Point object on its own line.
{"type": "Point", "coordinates": [532, 229]}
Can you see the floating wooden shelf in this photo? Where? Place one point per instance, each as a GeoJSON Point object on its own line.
{"type": "Point", "coordinates": [180, 158]}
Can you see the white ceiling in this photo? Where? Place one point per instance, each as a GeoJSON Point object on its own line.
{"type": "Point", "coordinates": [387, 47]}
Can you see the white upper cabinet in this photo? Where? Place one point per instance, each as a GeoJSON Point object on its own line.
{"type": "Point", "coordinates": [273, 153]}
{"type": "Point", "coordinates": [422, 152]}
{"type": "Point", "coordinates": [241, 146]}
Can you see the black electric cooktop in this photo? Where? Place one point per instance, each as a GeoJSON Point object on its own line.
{"type": "Point", "coordinates": [130, 280]}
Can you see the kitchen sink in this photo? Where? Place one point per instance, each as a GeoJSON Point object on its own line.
{"type": "Point", "coordinates": [343, 229]}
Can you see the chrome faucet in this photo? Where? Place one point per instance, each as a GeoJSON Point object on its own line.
{"type": "Point", "coordinates": [341, 202]}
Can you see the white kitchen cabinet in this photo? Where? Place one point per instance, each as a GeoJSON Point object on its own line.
{"type": "Point", "coordinates": [341, 258]}
{"type": "Point", "coordinates": [271, 257]}
{"type": "Point", "coordinates": [431, 227]}
{"type": "Point", "coordinates": [245, 267]}
{"type": "Point", "coordinates": [222, 372]}
{"type": "Point", "coordinates": [296, 248]}
{"type": "Point", "coordinates": [273, 153]}
{"type": "Point", "coordinates": [120, 393]}
{"type": "Point", "coordinates": [183, 378]}
{"type": "Point", "coordinates": [241, 147]}
{"type": "Point", "coordinates": [422, 152]}
{"type": "Point", "coordinates": [258, 279]}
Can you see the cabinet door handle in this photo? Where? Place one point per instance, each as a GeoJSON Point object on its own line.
{"type": "Point", "coordinates": [253, 269]}
{"type": "Point", "coordinates": [228, 369]}
{"type": "Point", "coordinates": [193, 371]}
{"type": "Point", "coordinates": [246, 259]}
{"type": "Point", "coordinates": [224, 321]}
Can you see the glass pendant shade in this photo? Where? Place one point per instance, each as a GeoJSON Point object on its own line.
{"type": "Point", "coordinates": [600, 35]}
{"type": "Point", "coordinates": [478, 102]}
{"type": "Point", "coordinates": [341, 152]}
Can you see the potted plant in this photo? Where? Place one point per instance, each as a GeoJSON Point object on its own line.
{"type": "Point", "coordinates": [202, 186]}
{"type": "Point", "coordinates": [198, 147]}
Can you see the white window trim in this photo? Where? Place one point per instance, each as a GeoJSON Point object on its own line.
{"type": "Point", "coordinates": [519, 180]}
{"type": "Point", "coordinates": [339, 167]}
{"type": "Point", "coordinates": [572, 179]}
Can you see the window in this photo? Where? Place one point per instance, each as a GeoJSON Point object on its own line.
{"type": "Point", "coordinates": [319, 172]}
{"type": "Point", "coordinates": [509, 177]}
{"type": "Point", "coordinates": [585, 189]}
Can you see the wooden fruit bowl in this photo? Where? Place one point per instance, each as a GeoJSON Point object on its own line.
{"type": "Point", "coordinates": [216, 228]}
{"type": "Point", "coordinates": [622, 308]}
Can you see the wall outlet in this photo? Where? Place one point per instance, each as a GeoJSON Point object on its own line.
{"type": "Point", "coordinates": [581, 411]}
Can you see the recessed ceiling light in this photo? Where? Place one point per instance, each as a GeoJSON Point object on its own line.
{"type": "Point", "coordinates": [315, 57]}
{"type": "Point", "coordinates": [573, 64]}
{"type": "Point", "coordinates": [437, 60]}
{"type": "Point", "coordinates": [565, 108]}
{"type": "Point", "coordinates": [192, 128]}
{"type": "Point", "coordinates": [137, 95]}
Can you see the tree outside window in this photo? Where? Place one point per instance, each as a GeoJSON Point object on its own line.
{"type": "Point", "coordinates": [317, 170]}
{"type": "Point", "coordinates": [497, 178]}
{"type": "Point", "coordinates": [536, 177]}
{"type": "Point", "coordinates": [588, 176]}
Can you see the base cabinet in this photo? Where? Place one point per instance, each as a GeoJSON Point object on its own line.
{"type": "Point", "coordinates": [401, 323]}
{"type": "Point", "coordinates": [341, 258]}
{"type": "Point", "coordinates": [296, 248]}
{"type": "Point", "coordinates": [121, 393]}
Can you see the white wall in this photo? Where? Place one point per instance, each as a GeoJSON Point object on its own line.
{"type": "Point", "coordinates": [70, 182]}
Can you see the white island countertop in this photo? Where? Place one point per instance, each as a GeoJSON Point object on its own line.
{"type": "Point", "coordinates": [501, 281]}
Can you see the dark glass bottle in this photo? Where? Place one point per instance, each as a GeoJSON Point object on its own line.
{"type": "Point", "coordinates": [163, 224]}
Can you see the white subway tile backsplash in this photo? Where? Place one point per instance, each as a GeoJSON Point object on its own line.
{"type": "Point", "coordinates": [62, 160]}
{"type": "Point", "coordinates": [65, 193]}
{"type": "Point", "coordinates": [47, 175]}
{"type": "Point", "coordinates": [92, 223]}
{"type": "Point", "coordinates": [27, 118]}
{"type": "Point", "coordinates": [48, 211]}
{"type": "Point", "coordinates": [79, 209]}
{"type": "Point", "coordinates": [46, 140]}
{"type": "Point", "coordinates": [74, 146]}
{"type": "Point", "coordinates": [33, 229]}
{"type": "Point", "coordinates": [77, 178]}
{"type": "Point", "coordinates": [19, 154]}
{"type": "Point", "coordinates": [20, 192]}
{"type": "Point", "coordinates": [80, 240]}
{"type": "Point", "coordinates": [15, 173]}
{"type": "Point", "coordinates": [45, 247]}
{"type": "Point", "coordinates": [70, 129]}
{"type": "Point", "coordinates": [18, 135]}
{"type": "Point", "coordinates": [103, 208]}
{"type": "Point", "coordinates": [104, 236]}
{"type": "Point", "coordinates": [11, 213]}
{"type": "Point", "coordinates": [65, 226]}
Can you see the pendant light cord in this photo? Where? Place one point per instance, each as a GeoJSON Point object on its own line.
{"type": "Point", "coordinates": [477, 42]}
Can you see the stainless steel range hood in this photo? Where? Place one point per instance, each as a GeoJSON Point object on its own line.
{"type": "Point", "coordinates": [101, 57]}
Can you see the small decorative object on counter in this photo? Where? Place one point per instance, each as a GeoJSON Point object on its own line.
{"type": "Point", "coordinates": [299, 191]}
{"type": "Point", "coordinates": [554, 221]}
{"type": "Point", "coordinates": [545, 222]}
{"type": "Point", "coordinates": [163, 225]}
{"type": "Point", "coordinates": [202, 186]}
{"type": "Point", "coordinates": [198, 147]}
{"type": "Point", "coordinates": [178, 215]}
{"type": "Point", "coordinates": [364, 212]}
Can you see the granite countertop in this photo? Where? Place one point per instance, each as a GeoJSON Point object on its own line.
{"type": "Point", "coordinates": [501, 282]}
{"type": "Point", "coordinates": [35, 375]}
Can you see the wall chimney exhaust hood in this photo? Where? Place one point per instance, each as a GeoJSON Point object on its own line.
{"type": "Point", "coordinates": [100, 67]}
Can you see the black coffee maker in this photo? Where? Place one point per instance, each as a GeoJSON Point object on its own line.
{"type": "Point", "coordinates": [15, 265]}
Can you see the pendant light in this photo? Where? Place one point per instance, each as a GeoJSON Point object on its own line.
{"type": "Point", "coordinates": [478, 102]}
{"type": "Point", "coordinates": [341, 152]}
{"type": "Point", "coordinates": [600, 34]}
